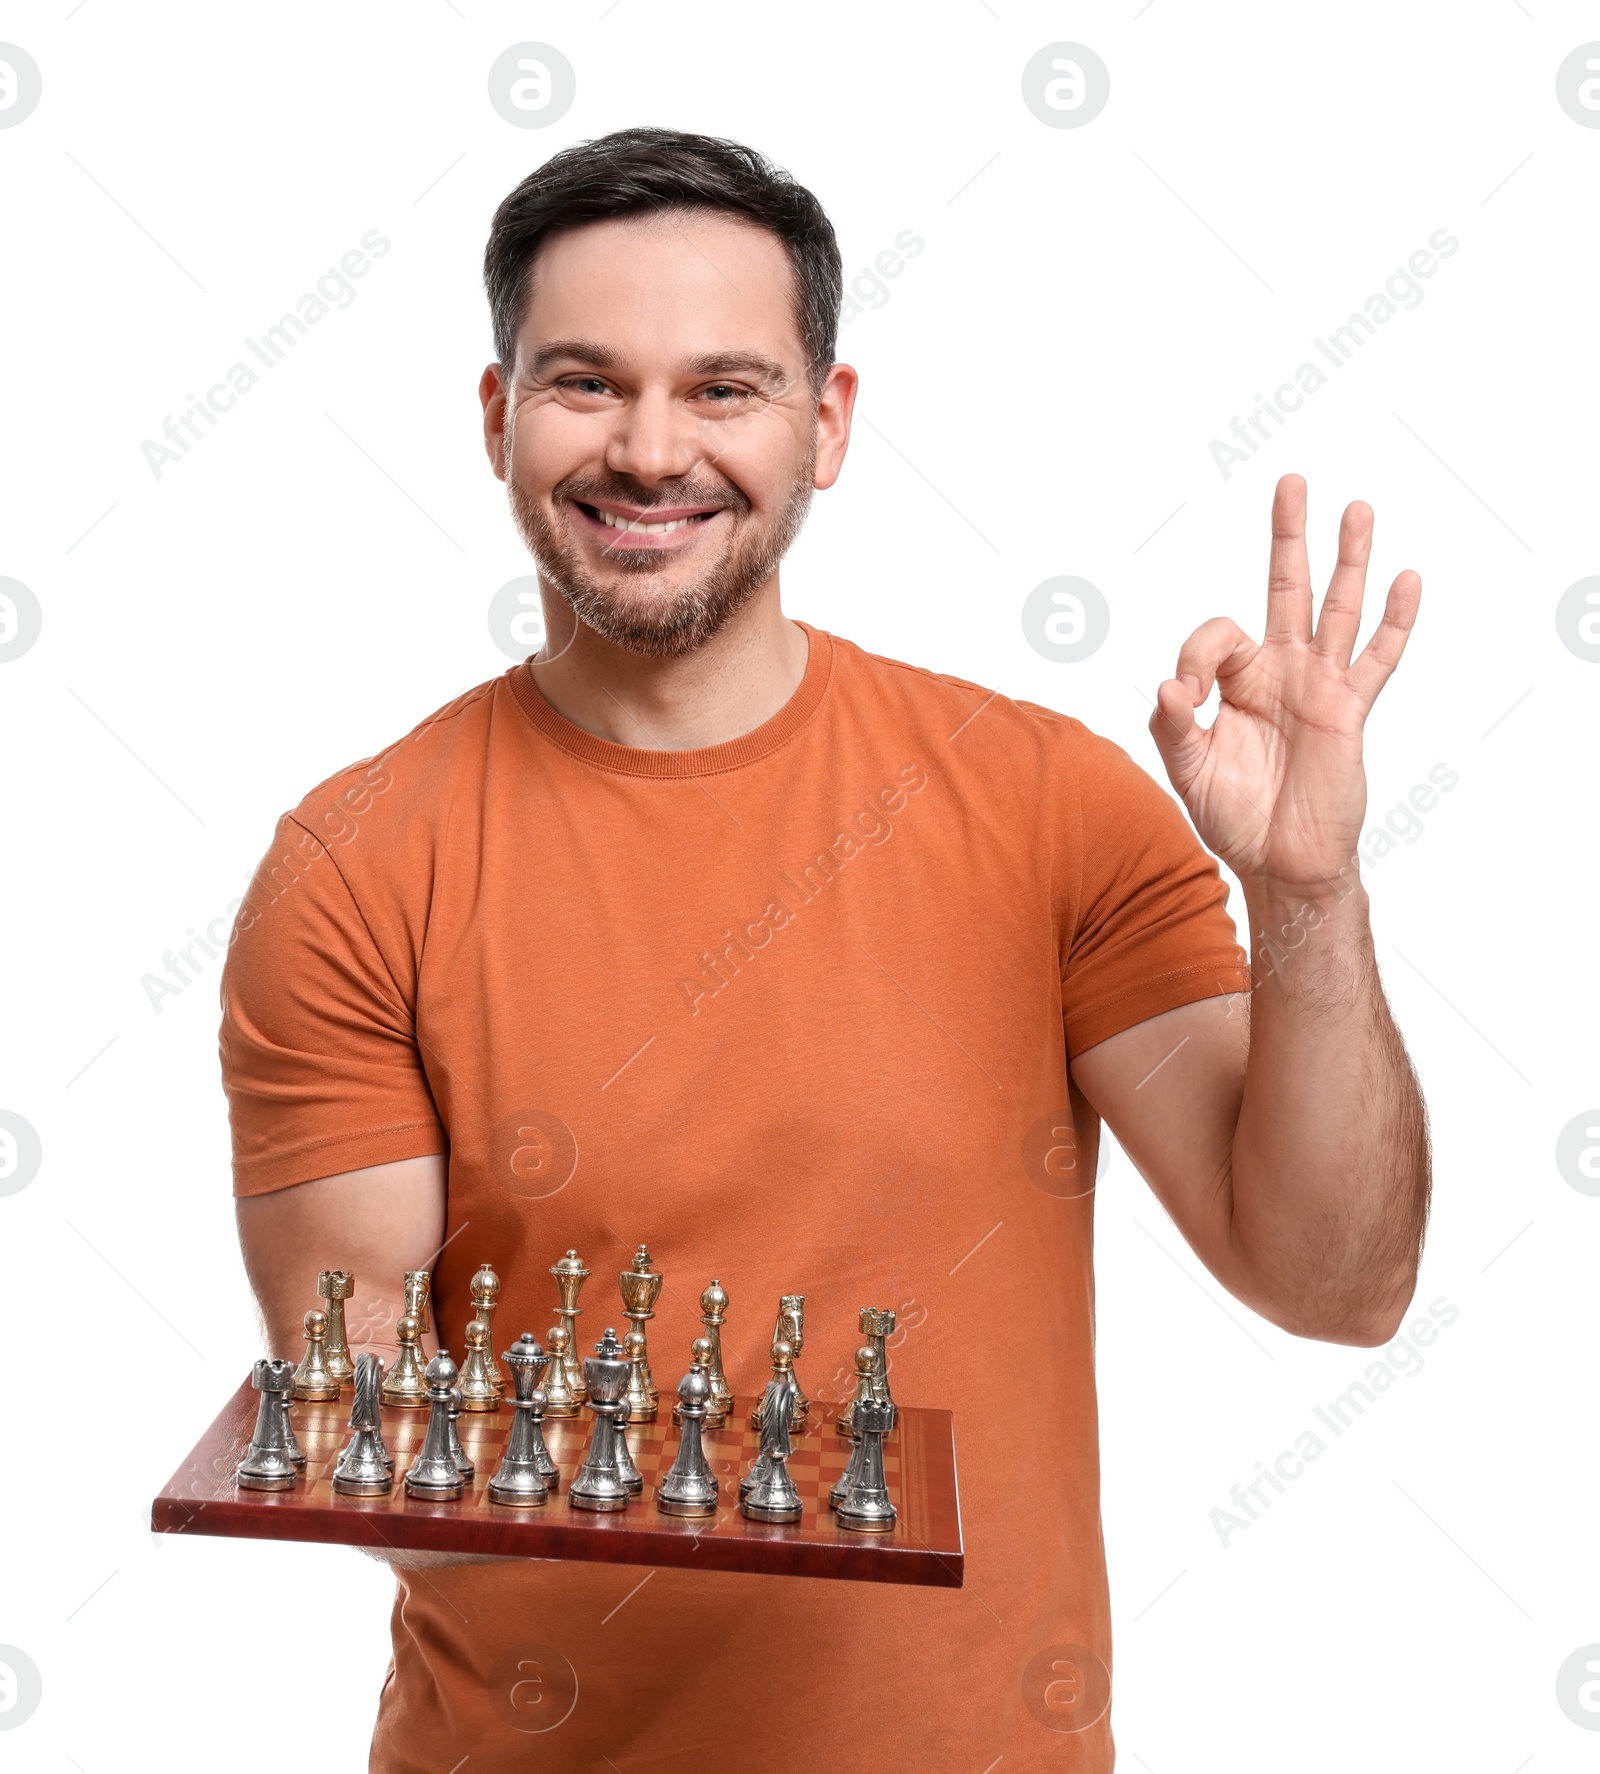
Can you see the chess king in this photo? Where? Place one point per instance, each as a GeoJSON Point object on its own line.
{"type": "Point", "coordinates": [705, 926]}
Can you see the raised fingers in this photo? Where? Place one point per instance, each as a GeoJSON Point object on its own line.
{"type": "Point", "coordinates": [1382, 653]}
{"type": "Point", "coordinates": [1217, 646]}
{"type": "Point", "coordinates": [1288, 571]}
{"type": "Point", "coordinates": [1340, 620]}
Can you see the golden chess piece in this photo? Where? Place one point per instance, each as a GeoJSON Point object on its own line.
{"type": "Point", "coordinates": [406, 1384]}
{"type": "Point", "coordinates": [713, 1313]}
{"type": "Point", "coordinates": [485, 1291]}
{"type": "Point", "coordinates": [336, 1286]}
{"type": "Point", "coordinates": [641, 1287]}
{"type": "Point", "coordinates": [877, 1323]}
{"type": "Point", "coordinates": [641, 1406]}
{"type": "Point", "coordinates": [866, 1376]}
{"type": "Point", "coordinates": [570, 1276]}
{"type": "Point", "coordinates": [790, 1330]}
{"type": "Point", "coordinates": [558, 1396]}
{"type": "Point", "coordinates": [476, 1380]}
{"type": "Point", "coordinates": [418, 1282]}
{"type": "Point", "coordinates": [312, 1380]}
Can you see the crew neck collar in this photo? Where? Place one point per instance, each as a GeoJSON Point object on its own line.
{"type": "Point", "coordinates": [705, 760]}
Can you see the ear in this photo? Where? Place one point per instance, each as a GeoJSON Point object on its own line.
{"type": "Point", "coordinates": [492, 393]}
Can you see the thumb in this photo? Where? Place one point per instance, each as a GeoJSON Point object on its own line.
{"type": "Point", "coordinates": [1179, 737]}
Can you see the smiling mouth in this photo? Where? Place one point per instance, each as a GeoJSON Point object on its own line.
{"type": "Point", "coordinates": [676, 519]}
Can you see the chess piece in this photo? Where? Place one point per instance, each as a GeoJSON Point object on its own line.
{"type": "Point", "coordinates": [336, 1286]}
{"type": "Point", "coordinates": [291, 1441]}
{"type": "Point", "coordinates": [758, 1413]}
{"type": "Point", "coordinates": [570, 1276]}
{"type": "Point", "coordinates": [641, 1401]}
{"type": "Point", "coordinates": [364, 1469]}
{"type": "Point", "coordinates": [560, 1400]}
{"type": "Point", "coordinates": [877, 1323]}
{"type": "Point", "coordinates": [458, 1453]}
{"type": "Point", "coordinates": [641, 1287]}
{"type": "Point", "coordinates": [418, 1282]}
{"type": "Point", "coordinates": [434, 1474]}
{"type": "Point", "coordinates": [477, 1382]}
{"type": "Point", "coordinates": [790, 1330]}
{"type": "Point", "coordinates": [485, 1291]}
{"type": "Point", "coordinates": [773, 1496]}
{"type": "Point", "coordinates": [527, 1474]}
{"type": "Point", "coordinates": [845, 1421]}
{"type": "Point", "coordinates": [406, 1385]}
{"type": "Point", "coordinates": [266, 1465]}
{"type": "Point", "coordinates": [600, 1484]}
{"type": "Point", "coordinates": [865, 1362]}
{"type": "Point", "coordinates": [865, 1506]}
{"type": "Point", "coordinates": [713, 1312]}
{"type": "Point", "coordinates": [690, 1487]}
{"type": "Point", "coordinates": [312, 1379]}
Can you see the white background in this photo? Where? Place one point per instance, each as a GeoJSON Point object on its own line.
{"type": "Point", "coordinates": [1040, 387]}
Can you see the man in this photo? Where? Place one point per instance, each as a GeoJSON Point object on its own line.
{"type": "Point", "coordinates": [816, 972]}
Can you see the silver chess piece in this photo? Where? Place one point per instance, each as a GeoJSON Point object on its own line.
{"type": "Point", "coordinates": [865, 1506]}
{"type": "Point", "coordinates": [773, 1496]}
{"type": "Point", "coordinates": [290, 1440]}
{"type": "Point", "coordinates": [364, 1469]}
{"type": "Point", "coordinates": [877, 1324]}
{"type": "Point", "coordinates": [527, 1474]}
{"type": "Point", "coordinates": [866, 1361]}
{"type": "Point", "coordinates": [789, 1329]}
{"type": "Point", "coordinates": [267, 1465]}
{"type": "Point", "coordinates": [783, 1379]}
{"type": "Point", "coordinates": [600, 1482]}
{"type": "Point", "coordinates": [690, 1487]}
{"type": "Point", "coordinates": [434, 1473]}
{"type": "Point", "coordinates": [458, 1453]}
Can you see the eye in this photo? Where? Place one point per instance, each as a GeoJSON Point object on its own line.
{"type": "Point", "coordinates": [727, 393]}
{"type": "Point", "coordinates": [583, 384]}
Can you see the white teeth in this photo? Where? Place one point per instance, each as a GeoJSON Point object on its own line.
{"type": "Point", "coordinates": [628, 523]}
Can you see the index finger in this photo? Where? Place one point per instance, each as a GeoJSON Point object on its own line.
{"type": "Point", "coordinates": [1289, 571]}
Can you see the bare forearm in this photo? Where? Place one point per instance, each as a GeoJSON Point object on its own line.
{"type": "Point", "coordinates": [1330, 1170]}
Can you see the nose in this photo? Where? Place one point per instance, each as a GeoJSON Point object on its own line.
{"type": "Point", "coordinates": [655, 438]}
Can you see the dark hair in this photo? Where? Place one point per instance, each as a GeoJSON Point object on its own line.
{"type": "Point", "coordinates": [634, 171]}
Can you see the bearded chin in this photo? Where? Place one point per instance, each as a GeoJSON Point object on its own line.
{"type": "Point", "coordinates": [656, 626]}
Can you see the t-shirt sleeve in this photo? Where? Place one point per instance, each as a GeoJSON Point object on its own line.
{"type": "Point", "coordinates": [1150, 931]}
{"type": "Point", "coordinates": [318, 1044]}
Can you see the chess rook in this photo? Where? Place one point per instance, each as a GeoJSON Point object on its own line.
{"type": "Point", "coordinates": [690, 1487]}
{"type": "Point", "coordinates": [485, 1291]}
{"type": "Point", "coordinates": [267, 1465]}
{"type": "Point", "coordinates": [570, 1276]}
{"type": "Point", "coordinates": [336, 1286]}
{"type": "Point", "coordinates": [521, 1481]}
{"type": "Point", "coordinates": [312, 1379]}
{"type": "Point", "coordinates": [406, 1385]}
{"type": "Point", "coordinates": [477, 1385]}
{"type": "Point", "coordinates": [434, 1474]}
{"type": "Point", "coordinates": [364, 1469]}
{"type": "Point", "coordinates": [865, 1505]}
{"type": "Point", "coordinates": [641, 1287]}
{"type": "Point", "coordinates": [599, 1484]}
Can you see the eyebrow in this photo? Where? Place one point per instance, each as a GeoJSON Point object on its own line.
{"type": "Point", "coordinates": [602, 357]}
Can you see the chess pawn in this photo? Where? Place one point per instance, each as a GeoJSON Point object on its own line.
{"type": "Point", "coordinates": [521, 1481]}
{"type": "Point", "coordinates": [866, 1364]}
{"type": "Point", "coordinates": [266, 1465]}
{"type": "Point", "coordinates": [477, 1382]}
{"type": "Point", "coordinates": [600, 1483]}
{"type": "Point", "coordinates": [570, 1276]}
{"type": "Point", "coordinates": [877, 1323]}
{"type": "Point", "coordinates": [364, 1469]}
{"type": "Point", "coordinates": [690, 1487]}
{"type": "Point", "coordinates": [458, 1453]}
{"type": "Point", "coordinates": [485, 1291]}
{"type": "Point", "coordinates": [641, 1400]}
{"type": "Point", "coordinates": [865, 1506]}
{"type": "Point", "coordinates": [434, 1474]}
{"type": "Point", "coordinates": [561, 1401]}
{"type": "Point", "coordinates": [773, 1495]}
{"type": "Point", "coordinates": [418, 1282]}
{"type": "Point", "coordinates": [641, 1288]}
{"type": "Point", "coordinates": [336, 1286]}
{"type": "Point", "coordinates": [406, 1385]}
{"type": "Point", "coordinates": [713, 1313]}
{"type": "Point", "coordinates": [312, 1380]}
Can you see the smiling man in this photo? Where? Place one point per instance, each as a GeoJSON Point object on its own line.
{"type": "Point", "coordinates": [818, 973]}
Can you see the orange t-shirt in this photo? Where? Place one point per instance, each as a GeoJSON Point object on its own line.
{"type": "Point", "coordinates": [796, 1011]}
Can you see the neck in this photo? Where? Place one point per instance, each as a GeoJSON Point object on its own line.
{"type": "Point", "coordinates": [739, 679]}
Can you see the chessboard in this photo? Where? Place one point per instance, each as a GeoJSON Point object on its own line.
{"type": "Point", "coordinates": [924, 1547]}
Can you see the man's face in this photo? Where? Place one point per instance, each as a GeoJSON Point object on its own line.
{"type": "Point", "coordinates": [659, 435]}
